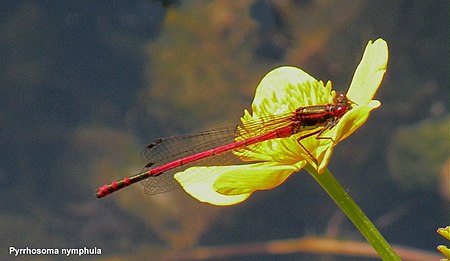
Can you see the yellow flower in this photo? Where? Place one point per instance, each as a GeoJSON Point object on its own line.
{"type": "Point", "coordinates": [281, 91]}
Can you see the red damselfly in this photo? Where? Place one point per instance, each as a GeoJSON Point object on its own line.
{"type": "Point", "coordinates": [170, 155]}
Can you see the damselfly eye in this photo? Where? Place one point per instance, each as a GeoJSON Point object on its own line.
{"type": "Point", "coordinates": [340, 99]}
{"type": "Point", "coordinates": [339, 110]}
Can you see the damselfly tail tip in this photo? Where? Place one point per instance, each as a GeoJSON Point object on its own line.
{"type": "Point", "coordinates": [102, 192]}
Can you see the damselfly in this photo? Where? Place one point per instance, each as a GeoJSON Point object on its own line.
{"type": "Point", "coordinates": [168, 156]}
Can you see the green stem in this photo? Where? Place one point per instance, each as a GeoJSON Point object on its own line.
{"type": "Point", "coordinates": [353, 212]}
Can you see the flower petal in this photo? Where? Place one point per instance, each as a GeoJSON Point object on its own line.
{"type": "Point", "coordinates": [199, 183]}
{"type": "Point", "coordinates": [286, 88]}
{"type": "Point", "coordinates": [229, 185]}
{"type": "Point", "coordinates": [352, 121]}
{"type": "Point", "coordinates": [369, 73]}
{"type": "Point", "coordinates": [348, 124]}
{"type": "Point", "coordinates": [251, 177]}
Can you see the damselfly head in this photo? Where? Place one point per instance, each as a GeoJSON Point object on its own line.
{"type": "Point", "coordinates": [341, 100]}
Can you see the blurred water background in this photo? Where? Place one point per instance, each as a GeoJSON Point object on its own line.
{"type": "Point", "coordinates": [86, 85]}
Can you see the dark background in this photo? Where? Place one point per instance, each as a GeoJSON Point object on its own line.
{"type": "Point", "coordinates": [86, 85]}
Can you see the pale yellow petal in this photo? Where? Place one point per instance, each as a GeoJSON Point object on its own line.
{"type": "Point", "coordinates": [369, 73]}
{"type": "Point", "coordinates": [286, 88]}
{"type": "Point", "coordinates": [198, 182]}
{"type": "Point", "coordinates": [251, 177]}
{"type": "Point", "coordinates": [352, 121]}
{"type": "Point", "coordinates": [374, 104]}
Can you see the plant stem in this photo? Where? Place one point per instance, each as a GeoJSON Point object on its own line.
{"type": "Point", "coordinates": [353, 212]}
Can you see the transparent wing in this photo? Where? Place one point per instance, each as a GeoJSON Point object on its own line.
{"type": "Point", "coordinates": [166, 150]}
